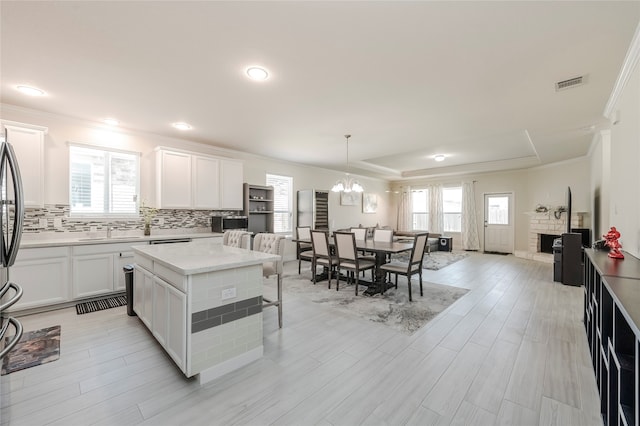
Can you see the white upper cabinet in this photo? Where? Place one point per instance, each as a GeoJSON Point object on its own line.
{"type": "Point", "coordinates": [206, 172]}
{"type": "Point", "coordinates": [28, 143]}
{"type": "Point", "coordinates": [173, 180]}
{"type": "Point", "coordinates": [192, 181]}
{"type": "Point", "coordinates": [231, 179]}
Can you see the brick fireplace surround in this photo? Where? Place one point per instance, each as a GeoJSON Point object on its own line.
{"type": "Point", "coordinates": [546, 223]}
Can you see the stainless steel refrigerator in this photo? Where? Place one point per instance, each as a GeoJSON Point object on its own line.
{"type": "Point", "coordinates": [11, 220]}
{"type": "Point", "coordinates": [313, 208]}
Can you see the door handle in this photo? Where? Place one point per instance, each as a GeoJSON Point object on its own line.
{"type": "Point", "coordinates": [14, 299]}
{"type": "Point", "coordinates": [16, 324]}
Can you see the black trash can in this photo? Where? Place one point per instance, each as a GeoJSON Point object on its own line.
{"type": "Point", "coordinates": [128, 280]}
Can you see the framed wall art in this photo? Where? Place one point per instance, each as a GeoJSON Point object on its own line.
{"type": "Point", "coordinates": [369, 202]}
{"type": "Point", "coordinates": [349, 198]}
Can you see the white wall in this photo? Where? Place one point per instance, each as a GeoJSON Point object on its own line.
{"type": "Point", "coordinates": [624, 206]}
{"type": "Point", "coordinates": [65, 129]}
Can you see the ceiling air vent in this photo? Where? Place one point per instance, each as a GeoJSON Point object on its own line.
{"type": "Point", "coordinates": [572, 82]}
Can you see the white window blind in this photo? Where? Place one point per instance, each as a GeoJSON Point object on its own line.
{"type": "Point", "coordinates": [452, 208]}
{"type": "Point", "coordinates": [420, 209]}
{"type": "Point", "coordinates": [103, 182]}
{"type": "Point", "coordinates": [282, 202]}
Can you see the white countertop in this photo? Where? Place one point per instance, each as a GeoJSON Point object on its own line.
{"type": "Point", "coordinates": [201, 256]}
{"type": "Point", "coordinates": [80, 238]}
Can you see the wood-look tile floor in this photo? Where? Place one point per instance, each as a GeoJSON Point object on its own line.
{"type": "Point", "coordinates": [512, 351]}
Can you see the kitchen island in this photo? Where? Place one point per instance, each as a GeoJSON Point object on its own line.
{"type": "Point", "coordinates": [202, 301]}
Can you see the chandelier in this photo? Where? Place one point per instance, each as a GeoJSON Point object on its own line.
{"type": "Point", "coordinates": [347, 183]}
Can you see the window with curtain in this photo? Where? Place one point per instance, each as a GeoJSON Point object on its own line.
{"type": "Point", "coordinates": [282, 202]}
{"type": "Point", "coordinates": [452, 209]}
{"type": "Point", "coordinates": [420, 209]}
{"type": "Point", "coordinates": [103, 182]}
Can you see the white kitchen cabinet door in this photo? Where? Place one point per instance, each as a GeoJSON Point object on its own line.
{"type": "Point", "coordinates": [231, 180]}
{"type": "Point", "coordinates": [206, 178]}
{"type": "Point", "coordinates": [28, 143]}
{"type": "Point", "coordinates": [160, 311]}
{"type": "Point", "coordinates": [120, 260]}
{"type": "Point", "coordinates": [43, 274]}
{"type": "Point", "coordinates": [92, 274]}
{"type": "Point", "coordinates": [176, 341]}
{"type": "Point", "coordinates": [173, 180]}
{"type": "Point", "coordinates": [143, 295]}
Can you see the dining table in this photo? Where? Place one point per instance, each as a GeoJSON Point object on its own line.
{"type": "Point", "coordinates": [380, 250]}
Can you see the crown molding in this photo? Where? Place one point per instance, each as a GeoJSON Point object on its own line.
{"type": "Point", "coordinates": [629, 64]}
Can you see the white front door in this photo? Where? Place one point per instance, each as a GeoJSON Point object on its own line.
{"type": "Point", "coordinates": [498, 223]}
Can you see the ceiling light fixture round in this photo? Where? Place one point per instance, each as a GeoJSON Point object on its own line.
{"type": "Point", "coordinates": [182, 126]}
{"type": "Point", "coordinates": [111, 121]}
{"type": "Point", "coordinates": [31, 91]}
{"type": "Point", "coordinates": [257, 73]}
{"type": "Point", "coordinates": [439, 157]}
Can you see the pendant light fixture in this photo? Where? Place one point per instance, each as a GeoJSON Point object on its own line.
{"type": "Point", "coordinates": [347, 183]}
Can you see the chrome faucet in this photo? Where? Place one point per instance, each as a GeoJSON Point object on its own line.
{"type": "Point", "coordinates": [109, 229]}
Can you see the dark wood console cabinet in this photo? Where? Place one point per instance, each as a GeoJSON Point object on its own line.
{"type": "Point", "coordinates": [611, 319]}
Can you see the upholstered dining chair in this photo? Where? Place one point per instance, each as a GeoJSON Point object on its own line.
{"type": "Point", "coordinates": [414, 266]}
{"type": "Point", "coordinates": [321, 254]}
{"type": "Point", "coordinates": [361, 234]}
{"type": "Point", "coordinates": [384, 236]}
{"type": "Point", "coordinates": [272, 244]}
{"type": "Point", "coordinates": [304, 251]}
{"type": "Point", "coordinates": [240, 239]}
{"type": "Point", "coordinates": [348, 258]}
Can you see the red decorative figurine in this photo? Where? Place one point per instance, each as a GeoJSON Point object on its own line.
{"type": "Point", "coordinates": [611, 240]}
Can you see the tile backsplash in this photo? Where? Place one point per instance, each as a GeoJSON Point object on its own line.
{"type": "Point", "coordinates": [55, 218]}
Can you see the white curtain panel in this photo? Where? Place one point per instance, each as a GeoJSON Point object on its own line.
{"type": "Point", "coordinates": [404, 210]}
{"type": "Point", "coordinates": [470, 238]}
{"type": "Point", "coordinates": [436, 210]}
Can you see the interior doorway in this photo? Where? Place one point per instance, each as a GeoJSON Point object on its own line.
{"type": "Point", "coordinates": [498, 223]}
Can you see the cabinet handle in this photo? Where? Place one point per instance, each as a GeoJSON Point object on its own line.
{"type": "Point", "coordinates": [16, 324]}
{"type": "Point", "coordinates": [14, 299]}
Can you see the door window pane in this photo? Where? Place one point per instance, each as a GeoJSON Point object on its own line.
{"type": "Point", "coordinates": [498, 210]}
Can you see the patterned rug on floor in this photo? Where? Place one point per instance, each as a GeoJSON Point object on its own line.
{"type": "Point", "coordinates": [435, 260]}
{"type": "Point", "coordinates": [34, 348]}
{"type": "Point", "coordinates": [99, 305]}
{"type": "Point", "coordinates": [392, 309]}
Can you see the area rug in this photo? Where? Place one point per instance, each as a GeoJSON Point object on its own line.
{"type": "Point", "coordinates": [34, 348]}
{"type": "Point", "coordinates": [392, 309]}
{"type": "Point", "coordinates": [435, 260]}
{"type": "Point", "coordinates": [99, 305]}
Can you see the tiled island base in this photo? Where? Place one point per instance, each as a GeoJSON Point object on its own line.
{"type": "Point", "coordinates": [203, 303]}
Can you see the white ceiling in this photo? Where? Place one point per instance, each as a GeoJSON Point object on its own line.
{"type": "Point", "coordinates": [471, 80]}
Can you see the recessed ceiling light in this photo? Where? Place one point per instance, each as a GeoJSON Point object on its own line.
{"type": "Point", "coordinates": [111, 121]}
{"type": "Point", "coordinates": [439, 157]}
{"type": "Point", "coordinates": [182, 126]}
{"type": "Point", "coordinates": [31, 91]}
{"type": "Point", "coordinates": [257, 73]}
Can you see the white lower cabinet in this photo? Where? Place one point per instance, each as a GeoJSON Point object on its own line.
{"type": "Point", "coordinates": [169, 320]}
{"type": "Point", "coordinates": [143, 295]}
{"type": "Point", "coordinates": [163, 309]}
{"type": "Point", "coordinates": [43, 274]}
{"type": "Point", "coordinates": [97, 269]}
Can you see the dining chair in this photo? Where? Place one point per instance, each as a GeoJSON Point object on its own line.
{"type": "Point", "coordinates": [414, 266]}
{"type": "Point", "coordinates": [321, 254]}
{"type": "Point", "coordinates": [273, 244]}
{"type": "Point", "coordinates": [384, 236]}
{"type": "Point", "coordinates": [240, 239]}
{"type": "Point", "coordinates": [348, 257]}
{"type": "Point", "coordinates": [304, 251]}
{"type": "Point", "coordinates": [361, 234]}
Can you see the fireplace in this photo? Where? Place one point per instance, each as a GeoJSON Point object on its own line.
{"type": "Point", "coordinates": [546, 243]}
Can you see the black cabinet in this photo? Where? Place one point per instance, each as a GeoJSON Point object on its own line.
{"type": "Point", "coordinates": [572, 259]}
{"type": "Point", "coordinates": [611, 319]}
